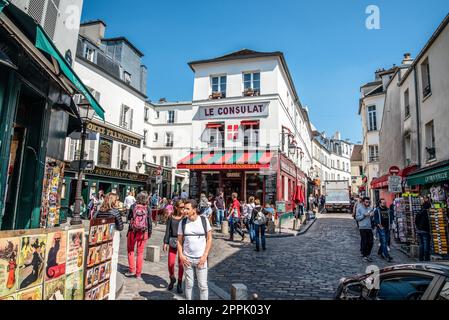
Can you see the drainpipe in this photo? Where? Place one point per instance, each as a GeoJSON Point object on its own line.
{"type": "Point", "coordinates": [418, 116]}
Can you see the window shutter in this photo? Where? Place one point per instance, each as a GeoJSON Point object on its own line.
{"type": "Point", "coordinates": [92, 149]}
{"type": "Point", "coordinates": [122, 109]}
{"type": "Point", "coordinates": [128, 157]}
{"type": "Point", "coordinates": [131, 119]}
{"type": "Point", "coordinates": [119, 146]}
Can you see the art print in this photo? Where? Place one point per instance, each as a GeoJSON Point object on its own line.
{"type": "Point", "coordinates": [9, 256]}
{"type": "Point", "coordinates": [75, 251]}
{"type": "Point", "coordinates": [31, 261]}
{"type": "Point", "coordinates": [56, 255]}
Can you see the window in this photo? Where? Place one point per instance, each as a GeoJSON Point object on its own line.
{"type": "Point", "coordinates": [373, 153]}
{"type": "Point", "coordinates": [372, 118]}
{"type": "Point", "coordinates": [360, 170]}
{"type": "Point", "coordinates": [126, 117]}
{"type": "Point", "coordinates": [407, 103]}
{"type": "Point", "coordinates": [338, 164]}
{"type": "Point", "coordinates": [127, 77]}
{"type": "Point", "coordinates": [403, 287]}
{"type": "Point", "coordinates": [156, 137]}
{"type": "Point", "coordinates": [145, 135]}
{"type": "Point", "coordinates": [89, 54]}
{"type": "Point", "coordinates": [124, 157]}
{"type": "Point", "coordinates": [144, 157]}
{"type": "Point", "coordinates": [214, 136]}
{"type": "Point", "coordinates": [338, 177]}
{"type": "Point", "coordinates": [425, 75]}
{"type": "Point", "coordinates": [171, 116]}
{"type": "Point", "coordinates": [105, 152]}
{"type": "Point", "coordinates": [251, 82]}
{"type": "Point", "coordinates": [408, 150]}
{"type": "Point", "coordinates": [251, 135]}
{"type": "Point", "coordinates": [169, 139]}
{"type": "Point", "coordinates": [444, 293]}
{"type": "Point", "coordinates": [154, 159]}
{"type": "Point", "coordinates": [165, 161]}
{"type": "Point", "coordinates": [157, 114]}
{"type": "Point", "coordinates": [147, 114]}
{"type": "Point", "coordinates": [430, 141]}
{"type": "Point", "coordinates": [219, 86]}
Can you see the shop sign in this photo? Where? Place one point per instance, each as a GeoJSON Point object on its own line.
{"type": "Point", "coordinates": [153, 173]}
{"type": "Point", "coordinates": [233, 175]}
{"type": "Point", "coordinates": [394, 184]}
{"type": "Point", "coordinates": [225, 166]}
{"type": "Point", "coordinates": [438, 175]}
{"type": "Point", "coordinates": [288, 167]}
{"type": "Point", "coordinates": [233, 111]}
{"type": "Point", "coordinates": [118, 174]}
{"type": "Point", "coordinates": [114, 135]}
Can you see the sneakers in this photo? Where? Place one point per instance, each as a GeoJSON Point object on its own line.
{"type": "Point", "coordinates": [130, 274]}
{"type": "Point", "coordinates": [389, 259]}
{"type": "Point", "coordinates": [257, 249]}
{"type": "Point", "coordinates": [172, 283]}
{"type": "Point", "coordinates": [138, 277]}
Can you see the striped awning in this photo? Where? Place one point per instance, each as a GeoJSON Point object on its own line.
{"type": "Point", "coordinates": [229, 159]}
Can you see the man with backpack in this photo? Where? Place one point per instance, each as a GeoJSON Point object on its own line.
{"type": "Point", "coordinates": [139, 231]}
{"type": "Point", "coordinates": [260, 222]}
{"type": "Point", "coordinates": [194, 244]}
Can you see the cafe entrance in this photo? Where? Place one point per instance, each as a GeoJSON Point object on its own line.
{"type": "Point", "coordinates": [233, 182]}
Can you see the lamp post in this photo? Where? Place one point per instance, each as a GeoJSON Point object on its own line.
{"type": "Point", "coordinates": [86, 114]}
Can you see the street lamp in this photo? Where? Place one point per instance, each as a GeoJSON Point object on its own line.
{"type": "Point", "coordinates": [86, 114]}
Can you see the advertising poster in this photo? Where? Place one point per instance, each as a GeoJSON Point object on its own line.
{"type": "Point", "coordinates": [30, 294]}
{"type": "Point", "coordinates": [56, 255]}
{"type": "Point", "coordinates": [11, 297]}
{"type": "Point", "coordinates": [31, 261]}
{"type": "Point", "coordinates": [74, 286]}
{"type": "Point", "coordinates": [54, 289]}
{"type": "Point", "coordinates": [75, 250]}
{"type": "Point", "coordinates": [51, 190]}
{"type": "Point", "coordinates": [9, 256]}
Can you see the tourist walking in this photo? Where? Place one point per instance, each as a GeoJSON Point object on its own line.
{"type": "Point", "coordinates": [184, 195]}
{"type": "Point", "coordinates": [171, 245]}
{"type": "Point", "coordinates": [422, 224]}
{"type": "Point", "coordinates": [383, 223]}
{"type": "Point", "coordinates": [248, 217]}
{"type": "Point", "coordinates": [234, 217]}
{"type": "Point", "coordinates": [139, 231]}
{"type": "Point", "coordinates": [194, 244]}
{"type": "Point", "coordinates": [220, 206]}
{"type": "Point", "coordinates": [363, 216]}
{"type": "Point", "coordinates": [130, 200]}
{"type": "Point", "coordinates": [259, 221]}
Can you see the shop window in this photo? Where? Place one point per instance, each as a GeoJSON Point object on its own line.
{"type": "Point", "coordinates": [254, 185]}
{"type": "Point", "coordinates": [210, 183]}
{"type": "Point", "coordinates": [251, 134]}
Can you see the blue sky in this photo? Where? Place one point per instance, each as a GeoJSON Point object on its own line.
{"type": "Point", "coordinates": [329, 51]}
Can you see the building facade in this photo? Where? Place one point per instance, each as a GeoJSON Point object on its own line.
{"type": "Point", "coordinates": [250, 133]}
{"type": "Point", "coordinates": [113, 71]}
{"type": "Point", "coordinates": [357, 185]}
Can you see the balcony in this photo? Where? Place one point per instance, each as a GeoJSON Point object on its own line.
{"type": "Point", "coordinates": [374, 159]}
{"type": "Point", "coordinates": [431, 154]}
{"type": "Point", "coordinates": [427, 90]}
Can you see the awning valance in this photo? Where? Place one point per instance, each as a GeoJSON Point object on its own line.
{"type": "Point", "coordinates": [214, 125]}
{"type": "Point", "coordinates": [430, 175]}
{"type": "Point", "coordinates": [229, 159]}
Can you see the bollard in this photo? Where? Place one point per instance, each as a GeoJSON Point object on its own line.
{"type": "Point", "coordinates": [254, 296]}
{"type": "Point", "coordinates": [153, 254]}
{"type": "Point", "coordinates": [225, 227]}
{"type": "Point", "coordinates": [239, 292]}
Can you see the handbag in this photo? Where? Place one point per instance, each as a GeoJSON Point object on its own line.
{"type": "Point", "coordinates": [173, 242]}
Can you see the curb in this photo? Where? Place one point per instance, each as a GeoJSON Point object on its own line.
{"type": "Point", "coordinates": [218, 291]}
{"type": "Point", "coordinates": [120, 284]}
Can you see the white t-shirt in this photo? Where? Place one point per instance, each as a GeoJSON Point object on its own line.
{"type": "Point", "coordinates": [129, 201]}
{"type": "Point", "coordinates": [195, 241]}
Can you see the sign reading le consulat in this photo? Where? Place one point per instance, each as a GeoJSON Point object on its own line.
{"type": "Point", "coordinates": [234, 111]}
{"type": "Point", "coordinates": [114, 135]}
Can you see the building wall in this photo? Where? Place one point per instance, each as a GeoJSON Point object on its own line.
{"type": "Point", "coordinates": [356, 176]}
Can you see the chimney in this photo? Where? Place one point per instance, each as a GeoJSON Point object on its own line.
{"type": "Point", "coordinates": [93, 30]}
{"type": "Point", "coordinates": [162, 100]}
{"type": "Point", "coordinates": [377, 74]}
{"type": "Point", "coordinates": [337, 135]}
{"type": "Point", "coordinates": [408, 60]}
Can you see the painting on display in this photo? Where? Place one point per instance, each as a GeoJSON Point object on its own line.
{"type": "Point", "coordinates": [75, 251]}
{"type": "Point", "coordinates": [31, 261]}
{"type": "Point", "coordinates": [74, 286]}
{"type": "Point", "coordinates": [51, 191]}
{"type": "Point", "coordinates": [56, 255]}
{"type": "Point", "coordinates": [11, 297]}
{"type": "Point", "coordinates": [30, 294]}
{"type": "Point", "coordinates": [9, 251]}
{"type": "Point", "coordinates": [55, 289]}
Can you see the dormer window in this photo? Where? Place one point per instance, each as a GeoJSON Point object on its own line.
{"type": "Point", "coordinates": [127, 77]}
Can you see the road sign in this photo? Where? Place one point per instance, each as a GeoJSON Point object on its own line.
{"type": "Point", "coordinates": [394, 184]}
{"type": "Point", "coordinates": [85, 165]}
{"type": "Point", "coordinates": [394, 170]}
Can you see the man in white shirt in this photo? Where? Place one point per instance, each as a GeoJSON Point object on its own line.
{"type": "Point", "coordinates": [184, 195]}
{"type": "Point", "coordinates": [194, 243]}
{"type": "Point", "coordinates": [129, 201]}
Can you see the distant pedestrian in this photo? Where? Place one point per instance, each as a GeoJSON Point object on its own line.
{"type": "Point", "coordinates": [260, 223]}
{"type": "Point", "coordinates": [220, 207]}
{"type": "Point", "coordinates": [248, 217]}
{"type": "Point", "coordinates": [139, 231]}
{"type": "Point", "coordinates": [130, 200]}
{"type": "Point", "coordinates": [194, 244]}
{"type": "Point", "coordinates": [184, 195]}
{"type": "Point", "coordinates": [383, 223]}
{"type": "Point", "coordinates": [171, 245]}
{"type": "Point", "coordinates": [422, 224]}
{"type": "Point", "coordinates": [234, 217]}
{"type": "Point", "coordinates": [363, 216]}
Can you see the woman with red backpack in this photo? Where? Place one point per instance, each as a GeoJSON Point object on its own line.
{"type": "Point", "coordinates": [139, 232]}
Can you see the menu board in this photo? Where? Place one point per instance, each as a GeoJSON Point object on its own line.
{"type": "Point", "coordinates": [51, 193]}
{"type": "Point", "coordinates": [99, 255]}
{"type": "Point", "coordinates": [105, 152]}
{"type": "Point", "coordinates": [194, 185]}
{"type": "Point", "coordinates": [271, 189]}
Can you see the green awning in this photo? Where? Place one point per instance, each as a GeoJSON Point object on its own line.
{"type": "Point", "coordinates": [3, 4]}
{"type": "Point", "coordinates": [44, 43]}
{"type": "Point", "coordinates": [429, 176]}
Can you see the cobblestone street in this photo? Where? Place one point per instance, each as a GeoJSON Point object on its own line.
{"type": "Point", "coordinates": [303, 267]}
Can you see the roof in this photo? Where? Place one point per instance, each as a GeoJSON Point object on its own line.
{"type": "Point", "coordinates": [124, 39]}
{"type": "Point", "coordinates": [432, 39]}
{"type": "Point", "coordinates": [169, 103]}
{"type": "Point", "coordinates": [370, 84]}
{"type": "Point", "coordinates": [90, 22]}
{"type": "Point", "coordinates": [357, 153]}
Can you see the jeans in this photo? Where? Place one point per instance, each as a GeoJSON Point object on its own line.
{"type": "Point", "coordinates": [367, 241]}
{"type": "Point", "coordinates": [201, 275]}
{"type": "Point", "coordinates": [250, 227]}
{"type": "Point", "coordinates": [424, 246]}
{"type": "Point", "coordinates": [220, 216]}
{"type": "Point", "coordinates": [260, 233]}
{"type": "Point", "coordinates": [234, 226]}
{"type": "Point", "coordinates": [384, 235]}
{"type": "Point", "coordinates": [139, 238]}
{"type": "Point", "coordinates": [171, 264]}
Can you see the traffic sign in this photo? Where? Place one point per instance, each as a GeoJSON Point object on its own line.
{"type": "Point", "coordinates": [394, 170]}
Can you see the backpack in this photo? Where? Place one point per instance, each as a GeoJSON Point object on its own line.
{"type": "Point", "coordinates": [259, 216]}
{"type": "Point", "coordinates": [204, 223]}
{"type": "Point", "coordinates": [139, 221]}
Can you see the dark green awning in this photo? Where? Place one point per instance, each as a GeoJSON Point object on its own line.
{"type": "Point", "coordinates": [42, 41]}
{"type": "Point", "coordinates": [429, 176]}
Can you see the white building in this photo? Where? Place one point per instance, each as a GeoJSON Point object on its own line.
{"type": "Point", "coordinates": [357, 173]}
{"type": "Point", "coordinates": [250, 133]}
{"type": "Point", "coordinates": [117, 148]}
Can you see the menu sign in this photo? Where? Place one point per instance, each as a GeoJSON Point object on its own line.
{"type": "Point", "coordinates": [251, 110]}
{"type": "Point", "coordinates": [194, 181]}
{"type": "Point", "coordinates": [271, 189]}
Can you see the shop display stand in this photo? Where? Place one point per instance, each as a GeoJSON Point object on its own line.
{"type": "Point", "coordinates": [439, 228]}
{"type": "Point", "coordinates": [406, 209]}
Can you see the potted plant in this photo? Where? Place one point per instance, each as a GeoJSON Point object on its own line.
{"type": "Point", "coordinates": [248, 92]}
{"type": "Point", "coordinates": [123, 164]}
{"type": "Point", "coordinates": [216, 95]}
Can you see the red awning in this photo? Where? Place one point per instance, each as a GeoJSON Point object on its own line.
{"type": "Point", "coordinates": [214, 125]}
{"type": "Point", "coordinates": [382, 182]}
{"type": "Point", "coordinates": [250, 123]}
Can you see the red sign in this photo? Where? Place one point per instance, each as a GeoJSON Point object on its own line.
{"type": "Point", "coordinates": [394, 170]}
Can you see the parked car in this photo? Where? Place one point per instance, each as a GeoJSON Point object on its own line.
{"type": "Point", "coordinates": [423, 281]}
